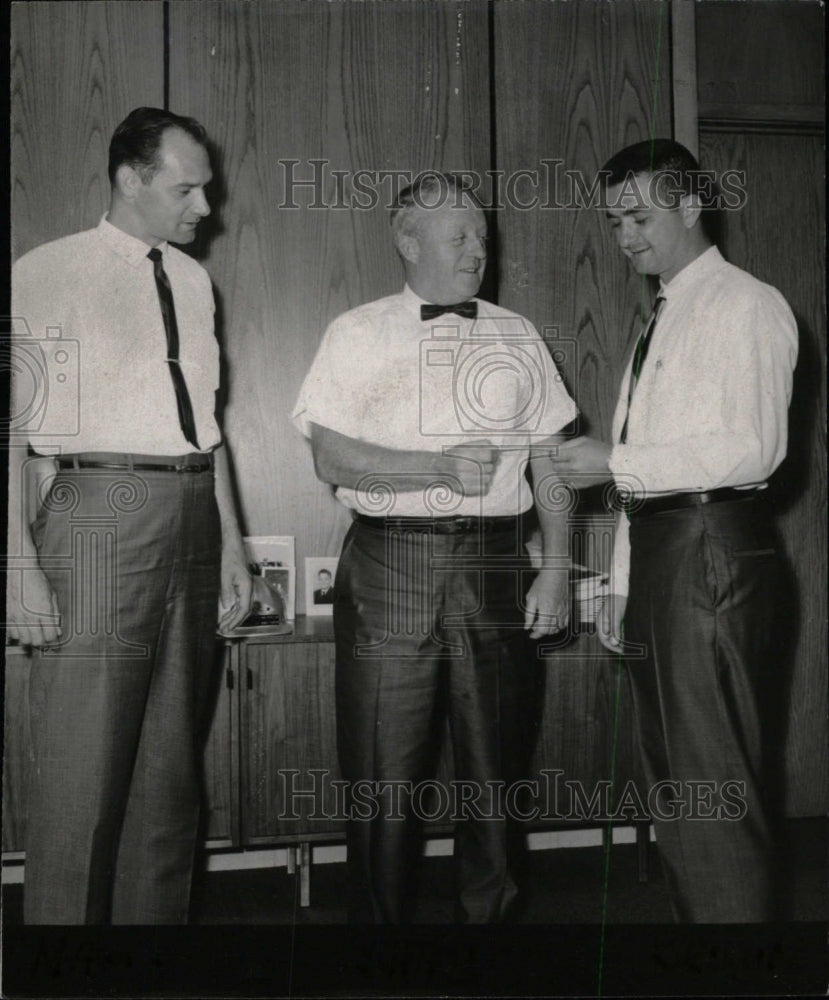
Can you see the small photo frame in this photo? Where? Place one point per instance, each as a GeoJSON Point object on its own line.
{"type": "Point", "coordinates": [320, 574]}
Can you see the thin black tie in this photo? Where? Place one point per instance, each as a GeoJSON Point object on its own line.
{"type": "Point", "coordinates": [168, 312]}
{"type": "Point", "coordinates": [467, 309]}
{"type": "Point", "coordinates": [639, 356]}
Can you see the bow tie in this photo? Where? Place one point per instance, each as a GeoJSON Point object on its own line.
{"type": "Point", "coordinates": [467, 309]}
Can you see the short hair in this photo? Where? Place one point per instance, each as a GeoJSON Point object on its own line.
{"type": "Point", "coordinates": [326, 571]}
{"type": "Point", "coordinates": [429, 190]}
{"type": "Point", "coordinates": [137, 140]}
{"type": "Point", "coordinates": [655, 157]}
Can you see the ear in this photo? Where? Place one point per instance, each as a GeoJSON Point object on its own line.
{"type": "Point", "coordinates": [127, 181]}
{"type": "Point", "coordinates": [409, 248]}
{"type": "Point", "coordinates": [690, 210]}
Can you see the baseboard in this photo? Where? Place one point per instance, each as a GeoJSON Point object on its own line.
{"type": "Point", "coordinates": [326, 854]}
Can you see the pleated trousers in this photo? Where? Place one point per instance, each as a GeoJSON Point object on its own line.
{"type": "Point", "coordinates": [428, 627]}
{"type": "Point", "coordinates": [702, 605]}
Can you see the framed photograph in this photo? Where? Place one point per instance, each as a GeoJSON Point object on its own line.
{"type": "Point", "coordinates": [320, 573]}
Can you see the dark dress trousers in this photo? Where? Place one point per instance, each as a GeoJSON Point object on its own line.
{"type": "Point", "coordinates": [430, 626]}
{"type": "Point", "coordinates": [702, 605]}
{"type": "Point", "coordinates": [113, 801]}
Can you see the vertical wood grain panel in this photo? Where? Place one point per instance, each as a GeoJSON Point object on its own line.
{"type": "Point", "coordinates": [392, 86]}
{"type": "Point", "coordinates": [766, 56]}
{"type": "Point", "coordinates": [779, 237]}
{"type": "Point", "coordinates": [287, 700]}
{"type": "Point", "coordinates": [575, 83]}
{"type": "Point", "coordinates": [15, 749]}
{"type": "Point", "coordinates": [77, 69]}
{"type": "Point", "coordinates": [684, 73]}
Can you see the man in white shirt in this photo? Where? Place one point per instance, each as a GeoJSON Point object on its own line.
{"type": "Point", "coordinates": [422, 408]}
{"type": "Point", "coordinates": [116, 582]}
{"type": "Point", "coordinates": [700, 425]}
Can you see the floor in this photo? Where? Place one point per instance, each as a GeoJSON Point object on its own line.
{"type": "Point", "coordinates": [564, 886]}
{"type": "Point", "coordinates": [582, 931]}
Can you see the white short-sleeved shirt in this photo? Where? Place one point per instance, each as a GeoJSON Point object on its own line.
{"type": "Point", "coordinates": [384, 376]}
{"type": "Point", "coordinates": [92, 348]}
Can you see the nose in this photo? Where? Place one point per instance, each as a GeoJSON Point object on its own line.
{"type": "Point", "coordinates": [626, 233]}
{"type": "Point", "coordinates": [478, 247]}
{"type": "Point", "coordinates": [200, 206]}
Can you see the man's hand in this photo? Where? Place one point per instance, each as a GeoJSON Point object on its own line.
{"type": "Point", "coordinates": [474, 465]}
{"type": "Point", "coordinates": [548, 603]}
{"type": "Point", "coordinates": [32, 613]}
{"type": "Point", "coordinates": [237, 589]}
{"type": "Point", "coordinates": [609, 625]}
{"type": "Point", "coordinates": [582, 462]}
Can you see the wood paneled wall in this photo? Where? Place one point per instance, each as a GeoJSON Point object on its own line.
{"type": "Point", "coordinates": [394, 86]}
{"type": "Point", "coordinates": [575, 83]}
{"type": "Point", "coordinates": [372, 87]}
{"type": "Point", "coordinates": [761, 112]}
{"type": "Point", "coordinates": [77, 69]}
{"type": "Point", "coordinates": [763, 239]}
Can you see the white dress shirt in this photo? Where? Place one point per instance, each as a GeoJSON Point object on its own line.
{"type": "Point", "coordinates": [710, 407]}
{"type": "Point", "coordinates": [384, 376]}
{"type": "Point", "coordinates": [91, 346]}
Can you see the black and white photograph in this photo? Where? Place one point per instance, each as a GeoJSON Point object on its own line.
{"type": "Point", "coordinates": [320, 573]}
{"type": "Point", "coordinates": [509, 316]}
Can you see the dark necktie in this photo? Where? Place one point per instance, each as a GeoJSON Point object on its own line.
{"type": "Point", "coordinates": [168, 312]}
{"type": "Point", "coordinates": [639, 356]}
{"type": "Point", "coordinates": [467, 309]}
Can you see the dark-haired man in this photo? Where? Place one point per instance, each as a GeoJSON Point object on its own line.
{"type": "Point", "coordinates": [421, 408]}
{"type": "Point", "coordinates": [131, 544]}
{"type": "Point", "coordinates": [700, 425]}
{"type": "Point", "coordinates": [324, 593]}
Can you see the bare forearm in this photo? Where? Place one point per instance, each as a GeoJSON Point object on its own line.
{"type": "Point", "coordinates": [349, 462]}
{"type": "Point", "coordinates": [547, 487]}
{"type": "Point", "coordinates": [231, 535]}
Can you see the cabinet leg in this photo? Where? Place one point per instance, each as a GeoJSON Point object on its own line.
{"type": "Point", "coordinates": [642, 841]}
{"type": "Point", "coordinates": [304, 874]}
{"type": "Point", "coordinates": [291, 864]}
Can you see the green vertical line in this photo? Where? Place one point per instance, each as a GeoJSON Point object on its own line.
{"type": "Point", "coordinates": [619, 662]}
{"type": "Point", "coordinates": [609, 839]}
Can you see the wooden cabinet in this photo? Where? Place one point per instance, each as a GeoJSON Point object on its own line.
{"type": "Point", "coordinates": [270, 758]}
{"type": "Point", "coordinates": [270, 768]}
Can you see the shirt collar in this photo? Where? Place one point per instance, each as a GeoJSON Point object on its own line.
{"type": "Point", "coordinates": [133, 250]}
{"type": "Point", "coordinates": [699, 270]}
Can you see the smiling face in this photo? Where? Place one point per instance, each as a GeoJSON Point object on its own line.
{"type": "Point", "coordinates": [446, 256]}
{"type": "Point", "coordinates": [171, 204]}
{"type": "Point", "coordinates": [655, 239]}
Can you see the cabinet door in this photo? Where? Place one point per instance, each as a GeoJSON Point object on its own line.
{"type": "Point", "coordinates": [15, 749]}
{"type": "Point", "coordinates": [288, 742]}
{"type": "Point", "coordinates": [220, 824]}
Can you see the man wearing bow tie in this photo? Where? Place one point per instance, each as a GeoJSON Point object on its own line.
{"type": "Point", "coordinates": [422, 408]}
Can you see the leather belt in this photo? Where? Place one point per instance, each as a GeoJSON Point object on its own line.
{"type": "Point", "coordinates": [439, 525]}
{"type": "Point", "coordinates": [194, 462]}
{"type": "Point", "coordinates": [679, 501]}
